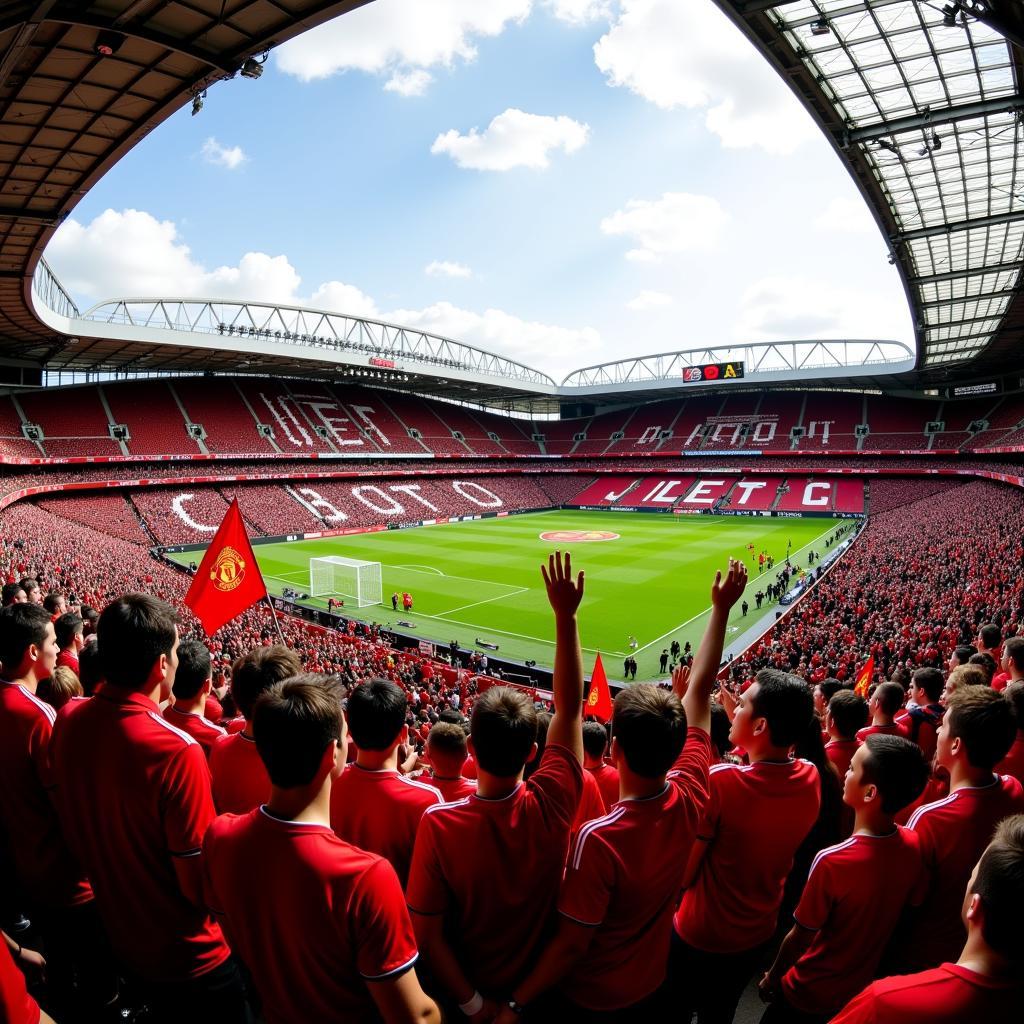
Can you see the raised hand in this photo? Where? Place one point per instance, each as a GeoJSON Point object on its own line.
{"type": "Point", "coordinates": [681, 679]}
{"type": "Point", "coordinates": [563, 594]}
{"type": "Point", "coordinates": [727, 590]}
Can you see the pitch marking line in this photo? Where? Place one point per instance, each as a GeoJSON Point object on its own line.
{"type": "Point", "coordinates": [463, 579]}
{"type": "Point", "coordinates": [752, 579]}
{"type": "Point", "coordinates": [463, 607]}
{"type": "Point", "coordinates": [417, 568]}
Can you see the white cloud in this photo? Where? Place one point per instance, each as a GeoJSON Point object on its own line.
{"type": "Point", "coordinates": [648, 299]}
{"type": "Point", "coordinates": [394, 37]}
{"type": "Point", "coordinates": [409, 83]}
{"type": "Point", "coordinates": [230, 157]}
{"type": "Point", "coordinates": [513, 139]}
{"type": "Point", "coordinates": [579, 12]}
{"type": "Point", "coordinates": [446, 268]}
{"type": "Point", "coordinates": [846, 215]}
{"type": "Point", "coordinates": [338, 297]}
{"type": "Point", "coordinates": [688, 55]}
{"type": "Point", "coordinates": [677, 222]}
{"type": "Point", "coordinates": [781, 308]}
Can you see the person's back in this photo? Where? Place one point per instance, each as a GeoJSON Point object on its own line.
{"type": "Point", "coordinates": [373, 805]}
{"type": "Point", "coordinates": [321, 924]}
{"type": "Point", "coordinates": [847, 714]}
{"type": "Point", "coordinates": [595, 743]}
{"type": "Point", "coordinates": [985, 983]}
{"type": "Point", "coordinates": [240, 782]}
{"type": "Point", "coordinates": [975, 734]}
{"type": "Point", "coordinates": [1013, 763]}
{"type": "Point", "coordinates": [924, 712]}
{"type": "Point", "coordinates": [192, 686]}
{"type": "Point", "coordinates": [447, 753]}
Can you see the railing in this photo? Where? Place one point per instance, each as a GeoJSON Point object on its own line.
{"type": "Point", "coordinates": [51, 292]}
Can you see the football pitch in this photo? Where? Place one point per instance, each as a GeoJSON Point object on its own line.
{"type": "Point", "coordinates": [480, 580]}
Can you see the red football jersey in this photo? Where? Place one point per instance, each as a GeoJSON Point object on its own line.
{"type": "Point", "coordinates": [240, 781]}
{"type": "Point", "coordinates": [42, 861]}
{"type": "Point", "coordinates": [953, 834]}
{"type": "Point", "coordinates": [853, 899]}
{"type": "Point", "coordinates": [764, 808]}
{"type": "Point", "coordinates": [380, 811]}
{"type": "Point", "coordinates": [896, 729]}
{"type": "Point", "coordinates": [204, 732]}
{"type": "Point", "coordinates": [452, 789]}
{"type": "Point", "coordinates": [16, 1005]}
{"type": "Point", "coordinates": [591, 803]}
{"type": "Point", "coordinates": [631, 910]}
{"type": "Point", "coordinates": [840, 753]}
{"type": "Point", "coordinates": [949, 994]}
{"type": "Point", "coordinates": [332, 918]}
{"type": "Point", "coordinates": [493, 868]}
{"type": "Point", "coordinates": [607, 776]}
{"type": "Point", "coordinates": [133, 794]}
{"type": "Point", "coordinates": [1013, 763]}
{"type": "Point", "coordinates": [68, 659]}
{"type": "Point", "coordinates": [213, 710]}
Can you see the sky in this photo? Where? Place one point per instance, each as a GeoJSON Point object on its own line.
{"type": "Point", "coordinates": [564, 182]}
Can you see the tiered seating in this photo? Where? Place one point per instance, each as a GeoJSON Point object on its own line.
{"type": "Point", "coordinates": [558, 434]}
{"type": "Point", "coordinates": [600, 430]}
{"type": "Point", "coordinates": [272, 510]}
{"type": "Point", "coordinates": [958, 416]}
{"type": "Point", "coordinates": [833, 418]}
{"type": "Point", "coordinates": [108, 513]}
{"type": "Point", "coordinates": [155, 423]}
{"type": "Point", "coordinates": [375, 413]}
{"type": "Point", "coordinates": [181, 516]}
{"type": "Point", "coordinates": [807, 495]}
{"type": "Point", "coordinates": [707, 491]}
{"type": "Point", "coordinates": [560, 488]}
{"type": "Point", "coordinates": [658, 492]}
{"type": "Point", "coordinates": [898, 425]}
{"type": "Point", "coordinates": [775, 437]}
{"type": "Point", "coordinates": [643, 429]}
{"type": "Point", "coordinates": [11, 441]}
{"type": "Point", "coordinates": [687, 432]}
{"type": "Point", "coordinates": [515, 434]}
{"type": "Point", "coordinates": [217, 405]}
{"type": "Point", "coordinates": [429, 421]}
{"type": "Point", "coordinates": [730, 435]}
{"type": "Point", "coordinates": [454, 417]}
{"type": "Point", "coordinates": [753, 494]}
{"type": "Point", "coordinates": [848, 496]}
{"type": "Point", "coordinates": [74, 421]}
{"type": "Point", "coordinates": [276, 406]}
{"type": "Point", "coordinates": [606, 490]}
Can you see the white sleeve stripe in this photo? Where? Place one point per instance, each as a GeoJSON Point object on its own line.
{"type": "Point", "coordinates": [586, 924]}
{"type": "Point", "coordinates": [924, 808]}
{"type": "Point", "coordinates": [829, 849]}
{"type": "Point", "coordinates": [586, 831]}
{"type": "Point", "coordinates": [171, 728]}
{"type": "Point", "coordinates": [391, 974]}
{"type": "Point", "coordinates": [51, 715]}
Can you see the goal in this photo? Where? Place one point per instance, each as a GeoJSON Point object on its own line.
{"type": "Point", "coordinates": [350, 578]}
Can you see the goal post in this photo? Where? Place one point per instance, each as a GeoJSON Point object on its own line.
{"type": "Point", "coordinates": [351, 579]}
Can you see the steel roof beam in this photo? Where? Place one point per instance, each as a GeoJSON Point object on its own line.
{"type": "Point", "coordinates": [931, 118]}
{"type": "Point", "coordinates": [956, 275]}
{"type": "Point", "coordinates": [962, 225]}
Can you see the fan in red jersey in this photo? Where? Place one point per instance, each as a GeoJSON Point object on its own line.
{"type": "Point", "coordinates": [192, 685]}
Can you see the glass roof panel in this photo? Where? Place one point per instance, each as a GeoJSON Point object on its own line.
{"type": "Point", "coordinates": [886, 61]}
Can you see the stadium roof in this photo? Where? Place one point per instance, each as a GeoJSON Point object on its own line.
{"type": "Point", "coordinates": [923, 102]}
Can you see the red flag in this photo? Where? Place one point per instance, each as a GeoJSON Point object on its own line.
{"type": "Point", "coordinates": [228, 580]}
{"type": "Point", "coordinates": [599, 700]}
{"type": "Point", "coordinates": [864, 677]}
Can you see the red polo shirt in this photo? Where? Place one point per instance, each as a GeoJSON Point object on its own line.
{"type": "Point", "coordinates": [1013, 763]}
{"type": "Point", "coordinates": [591, 803]}
{"type": "Point", "coordinates": [16, 1005]}
{"type": "Point", "coordinates": [204, 732]}
{"type": "Point", "coordinates": [630, 910]}
{"type": "Point", "coordinates": [240, 782]}
{"type": "Point", "coordinates": [42, 861]}
{"type": "Point", "coordinates": [332, 918]}
{"type": "Point", "coordinates": [380, 811]}
{"type": "Point", "coordinates": [607, 776]}
{"type": "Point", "coordinates": [133, 794]}
{"type": "Point", "coordinates": [492, 867]}
{"type": "Point", "coordinates": [452, 789]}
{"type": "Point", "coordinates": [840, 753]}
{"type": "Point", "coordinates": [896, 729]}
{"type": "Point", "coordinates": [757, 817]}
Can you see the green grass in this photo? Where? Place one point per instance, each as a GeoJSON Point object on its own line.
{"type": "Point", "coordinates": [482, 579]}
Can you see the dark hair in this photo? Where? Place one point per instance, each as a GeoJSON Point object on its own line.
{"type": "Point", "coordinates": [9, 593]}
{"type": "Point", "coordinates": [1000, 884]}
{"type": "Point", "coordinates": [649, 725]}
{"type": "Point", "coordinates": [90, 668]}
{"type": "Point", "coordinates": [990, 635]}
{"type": "Point", "coordinates": [66, 627]}
{"type": "Point", "coordinates": [897, 768]}
{"type": "Point", "coordinates": [829, 688]}
{"type": "Point", "coordinates": [294, 722]}
{"type": "Point", "coordinates": [52, 601]}
{"type": "Point", "coordinates": [964, 653]}
{"type": "Point", "coordinates": [849, 712]}
{"type": "Point", "coordinates": [986, 663]}
{"type": "Point", "coordinates": [376, 713]}
{"type": "Point", "coordinates": [1014, 695]}
{"type": "Point", "coordinates": [133, 632]}
{"type": "Point", "coordinates": [543, 724]}
{"type": "Point", "coordinates": [785, 702]}
{"type": "Point", "coordinates": [504, 729]}
{"type": "Point", "coordinates": [454, 717]}
{"type": "Point", "coordinates": [90, 617]}
{"type": "Point", "coordinates": [28, 584]}
{"type": "Point", "coordinates": [889, 697]}
{"type": "Point", "coordinates": [447, 738]}
{"type": "Point", "coordinates": [21, 626]}
{"type": "Point", "coordinates": [720, 729]}
{"type": "Point", "coordinates": [595, 739]}
{"type": "Point", "coordinates": [193, 669]}
{"type": "Point", "coordinates": [258, 670]}
{"type": "Point", "coordinates": [984, 723]}
{"type": "Point", "coordinates": [931, 681]}
{"type": "Point", "coordinates": [1014, 650]}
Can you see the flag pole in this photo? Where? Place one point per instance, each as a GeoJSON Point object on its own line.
{"type": "Point", "coordinates": [277, 624]}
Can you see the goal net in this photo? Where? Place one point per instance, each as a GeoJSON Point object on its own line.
{"type": "Point", "coordinates": [355, 581]}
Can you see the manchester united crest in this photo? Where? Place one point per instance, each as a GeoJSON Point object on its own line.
{"type": "Point", "coordinates": [578, 536]}
{"type": "Point", "coordinates": [229, 570]}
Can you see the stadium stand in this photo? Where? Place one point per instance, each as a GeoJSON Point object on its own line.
{"type": "Point", "coordinates": [217, 406]}
{"type": "Point", "coordinates": [155, 422]}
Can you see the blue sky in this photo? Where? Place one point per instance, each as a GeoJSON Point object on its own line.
{"type": "Point", "coordinates": [563, 181]}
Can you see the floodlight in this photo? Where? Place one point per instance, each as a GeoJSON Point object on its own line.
{"type": "Point", "coordinates": [949, 13]}
{"type": "Point", "coordinates": [821, 27]}
{"type": "Point", "coordinates": [253, 68]}
{"type": "Point", "coordinates": [107, 43]}
{"type": "Point", "coordinates": [936, 142]}
{"type": "Point", "coordinates": [197, 102]}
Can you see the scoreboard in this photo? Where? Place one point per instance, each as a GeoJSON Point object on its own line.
{"type": "Point", "coordinates": [712, 371]}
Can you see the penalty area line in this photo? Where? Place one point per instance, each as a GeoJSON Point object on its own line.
{"type": "Point", "coordinates": [463, 607]}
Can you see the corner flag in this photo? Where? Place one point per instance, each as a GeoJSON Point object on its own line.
{"type": "Point", "coordinates": [228, 580]}
{"type": "Point", "coordinates": [864, 677]}
{"type": "Point", "coordinates": [599, 700]}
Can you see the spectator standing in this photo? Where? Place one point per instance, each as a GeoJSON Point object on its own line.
{"type": "Point", "coordinates": [883, 706]}
{"type": "Point", "coordinates": [1013, 763]}
{"type": "Point", "coordinates": [924, 710]}
{"type": "Point", "coordinates": [193, 682]}
{"type": "Point", "coordinates": [595, 744]}
{"type": "Point", "coordinates": [1012, 663]}
{"type": "Point", "coordinates": [847, 714]}
{"type": "Point", "coordinates": [447, 752]}
{"type": "Point", "coordinates": [349, 952]}
{"type": "Point", "coordinates": [70, 639]}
